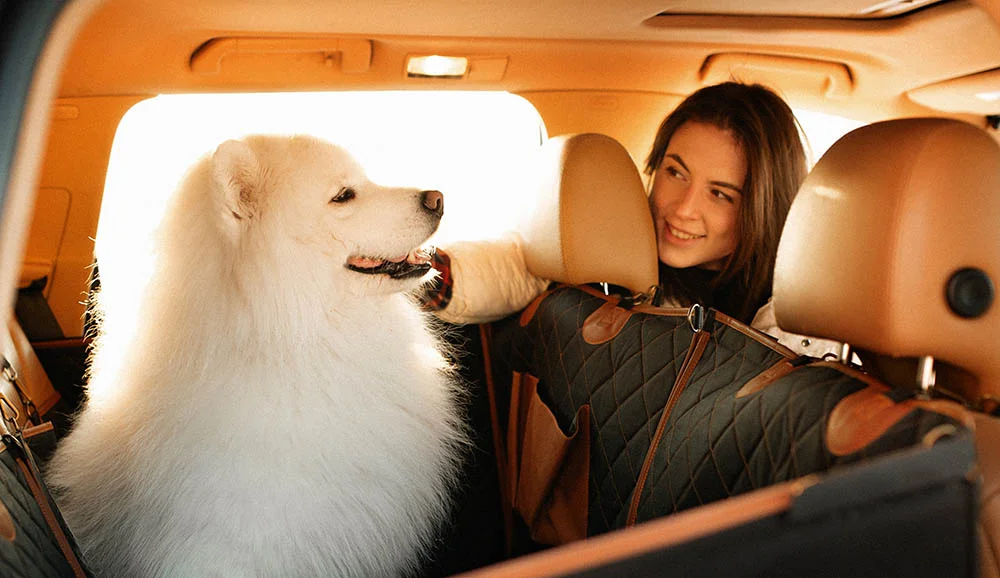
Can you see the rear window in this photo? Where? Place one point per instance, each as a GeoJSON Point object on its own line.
{"type": "Point", "coordinates": [469, 145]}
{"type": "Point", "coordinates": [822, 130]}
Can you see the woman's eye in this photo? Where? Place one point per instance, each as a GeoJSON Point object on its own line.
{"type": "Point", "coordinates": [673, 172]}
{"type": "Point", "coordinates": [345, 194]}
{"type": "Point", "coordinates": [720, 195]}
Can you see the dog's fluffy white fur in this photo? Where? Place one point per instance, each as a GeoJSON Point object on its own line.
{"type": "Point", "coordinates": [276, 413]}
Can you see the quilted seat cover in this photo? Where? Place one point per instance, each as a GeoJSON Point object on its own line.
{"type": "Point", "coordinates": [680, 418]}
{"type": "Point", "coordinates": [28, 546]}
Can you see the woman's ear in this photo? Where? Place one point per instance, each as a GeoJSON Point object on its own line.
{"type": "Point", "coordinates": [237, 173]}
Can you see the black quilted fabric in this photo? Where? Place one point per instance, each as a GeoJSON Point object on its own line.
{"type": "Point", "coordinates": [713, 445]}
{"type": "Point", "coordinates": [34, 552]}
{"type": "Point", "coordinates": [626, 381]}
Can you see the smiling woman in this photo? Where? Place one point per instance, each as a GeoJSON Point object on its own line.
{"type": "Point", "coordinates": [725, 166]}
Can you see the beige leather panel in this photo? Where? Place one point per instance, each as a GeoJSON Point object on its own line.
{"type": "Point", "coordinates": [592, 221]}
{"type": "Point", "coordinates": [881, 223]}
{"type": "Point", "coordinates": [34, 380]}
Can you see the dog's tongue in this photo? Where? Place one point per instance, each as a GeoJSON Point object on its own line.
{"type": "Point", "coordinates": [419, 256]}
{"type": "Point", "coordinates": [364, 262]}
{"type": "Point", "coordinates": [414, 257]}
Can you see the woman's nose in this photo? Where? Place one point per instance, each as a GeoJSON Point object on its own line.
{"type": "Point", "coordinates": [688, 207]}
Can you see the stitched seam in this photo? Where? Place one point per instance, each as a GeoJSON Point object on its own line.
{"type": "Point", "coordinates": [642, 390]}
{"type": "Point", "coordinates": [619, 403]}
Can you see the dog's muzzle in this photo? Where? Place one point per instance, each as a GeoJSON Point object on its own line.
{"type": "Point", "coordinates": [414, 264]}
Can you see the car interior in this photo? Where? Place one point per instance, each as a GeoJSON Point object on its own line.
{"type": "Point", "coordinates": [891, 248]}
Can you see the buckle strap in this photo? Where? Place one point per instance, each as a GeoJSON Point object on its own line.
{"type": "Point", "coordinates": [11, 376]}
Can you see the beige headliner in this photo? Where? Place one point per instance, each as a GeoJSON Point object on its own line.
{"type": "Point", "coordinates": [144, 46]}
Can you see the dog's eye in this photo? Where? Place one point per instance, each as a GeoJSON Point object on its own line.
{"type": "Point", "coordinates": [345, 194]}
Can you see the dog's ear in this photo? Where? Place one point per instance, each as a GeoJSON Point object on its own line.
{"type": "Point", "coordinates": [237, 173]}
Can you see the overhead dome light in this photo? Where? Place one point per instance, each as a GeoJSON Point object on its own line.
{"type": "Point", "coordinates": [891, 7]}
{"type": "Point", "coordinates": [989, 96]}
{"type": "Point", "coordinates": [435, 66]}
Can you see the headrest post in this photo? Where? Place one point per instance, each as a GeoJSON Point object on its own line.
{"type": "Point", "coordinates": [845, 354]}
{"type": "Point", "coordinates": [926, 376]}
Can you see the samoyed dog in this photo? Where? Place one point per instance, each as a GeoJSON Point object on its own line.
{"type": "Point", "coordinates": [281, 410]}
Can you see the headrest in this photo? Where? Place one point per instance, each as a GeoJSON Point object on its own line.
{"type": "Point", "coordinates": [592, 222]}
{"type": "Point", "coordinates": [885, 222]}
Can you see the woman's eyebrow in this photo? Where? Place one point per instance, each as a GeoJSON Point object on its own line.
{"type": "Point", "coordinates": [726, 185]}
{"type": "Point", "coordinates": [679, 160]}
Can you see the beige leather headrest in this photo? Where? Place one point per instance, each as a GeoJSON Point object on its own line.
{"type": "Point", "coordinates": [882, 223]}
{"type": "Point", "coordinates": [592, 223]}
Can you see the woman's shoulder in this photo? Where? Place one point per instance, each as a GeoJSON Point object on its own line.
{"type": "Point", "coordinates": [766, 322]}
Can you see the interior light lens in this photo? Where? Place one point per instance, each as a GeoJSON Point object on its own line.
{"type": "Point", "coordinates": [435, 66]}
{"type": "Point", "coordinates": [992, 96]}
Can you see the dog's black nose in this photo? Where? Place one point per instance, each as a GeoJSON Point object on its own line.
{"type": "Point", "coordinates": [433, 201]}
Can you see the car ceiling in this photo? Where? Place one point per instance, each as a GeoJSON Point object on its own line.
{"type": "Point", "coordinates": [145, 46]}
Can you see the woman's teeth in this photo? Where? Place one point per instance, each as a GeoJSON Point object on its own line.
{"type": "Point", "coordinates": [682, 235]}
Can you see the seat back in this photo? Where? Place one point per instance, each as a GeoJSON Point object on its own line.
{"type": "Point", "coordinates": [892, 245]}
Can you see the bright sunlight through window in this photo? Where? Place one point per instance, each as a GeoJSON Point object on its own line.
{"type": "Point", "coordinates": [822, 130]}
{"type": "Point", "coordinates": [472, 146]}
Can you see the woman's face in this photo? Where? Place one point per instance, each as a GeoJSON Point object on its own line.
{"type": "Point", "coordinates": [697, 191]}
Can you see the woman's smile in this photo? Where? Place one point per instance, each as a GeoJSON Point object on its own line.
{"type": "Point", "coordinates": [680, 236]}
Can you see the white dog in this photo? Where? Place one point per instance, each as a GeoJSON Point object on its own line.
{"type": "Point", "coordinates": [282, 409]}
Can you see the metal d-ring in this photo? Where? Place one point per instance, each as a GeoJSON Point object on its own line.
{"type": "Point", "coordinates": [696, 317]}
{"type": "Point", "coordinates": [9, 415]}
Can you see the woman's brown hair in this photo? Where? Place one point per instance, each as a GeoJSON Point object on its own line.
{"type": "Point", "coordinates": [768, 133]}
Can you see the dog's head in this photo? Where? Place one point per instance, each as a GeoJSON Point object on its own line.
{"type": "Point", "coordinates": [311, 201]}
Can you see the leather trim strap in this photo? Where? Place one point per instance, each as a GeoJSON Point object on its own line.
{"type": "Point", "coordinates": [754, 334]}
{"type": "Point", "coordinates": [853, 372]}
{"type": "Point", "coordinates": [43, 504]}
{"type": "Point", "coordinates": [865, 415]}
{"type": "Point", "coordinates": [652, 536]}
{"type": "Point", "coordinates": [772, 374]}
{"type": "Point", "coordinates": [766, 378]}
{"type": "Point", "coordinates": [698, 344]}
{"type": "Point", "coordinates": [7, 529]}
{"type": "Point", "coordinates": [604, 323]}
{"type": "Point", "coordinates": [42, 428]}
{"type": "Point", "coordinates": [506, 500]}
{"type": "Point", "coordinates": [532, 308]}
{"type": "Point", "coordinates": [862, 417]}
